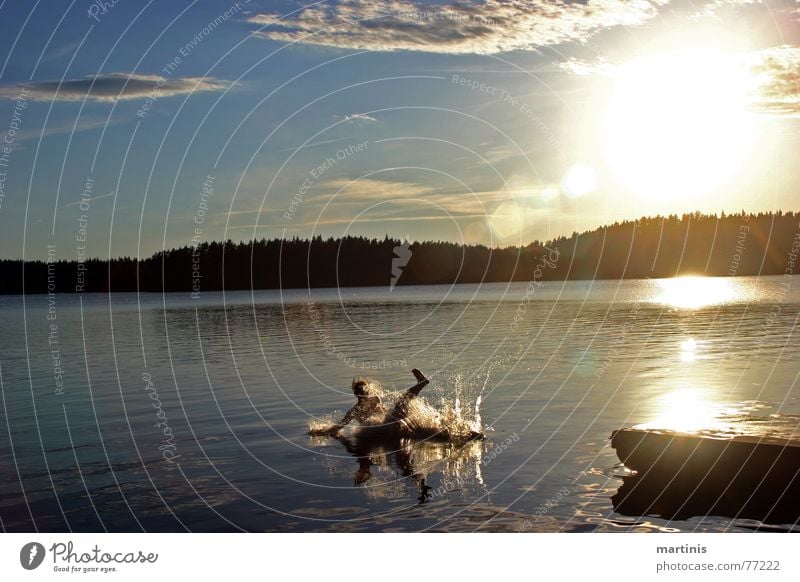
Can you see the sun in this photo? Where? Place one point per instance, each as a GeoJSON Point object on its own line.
{"type": "Point", "coordinates": [677, 124]}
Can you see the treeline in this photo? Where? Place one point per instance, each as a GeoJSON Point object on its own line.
{"type": "Point", "coordinates": [727, 245]}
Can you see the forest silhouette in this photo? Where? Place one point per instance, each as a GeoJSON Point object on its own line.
{"type": "Point", "coordinates": [655, 247]}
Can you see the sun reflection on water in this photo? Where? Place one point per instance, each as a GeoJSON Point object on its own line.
{"type": "Point", "coordinates": [694, 292]}
{"type": "Point", "coordinates": [687, 410]}
{"type": "Point", "coordinates": [688, 351]}
{"type": "Point", "coordinates": [700, 411]}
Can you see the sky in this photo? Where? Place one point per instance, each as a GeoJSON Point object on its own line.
{"type": "Point", "coordinates": [130, 127]}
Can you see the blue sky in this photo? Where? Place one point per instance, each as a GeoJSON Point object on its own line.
{"type": "Point", "coordinates": [497, 122]}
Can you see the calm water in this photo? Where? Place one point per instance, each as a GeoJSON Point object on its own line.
{"type": "Point", "coordinates": [237, 378]}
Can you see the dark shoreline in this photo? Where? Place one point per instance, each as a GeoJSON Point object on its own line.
{"type": "Point", "coordinates": [649, 248]}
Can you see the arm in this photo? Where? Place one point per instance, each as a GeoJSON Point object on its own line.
{"type": "Point", "coordinates": [344, 422]}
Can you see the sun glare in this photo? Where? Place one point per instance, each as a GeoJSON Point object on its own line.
{"type": "Point", "coordinates": [677, 123]}
{"type": "Point", "coordinates": [695, 292]}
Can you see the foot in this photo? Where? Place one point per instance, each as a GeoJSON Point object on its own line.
{"type": "Point", "coordinates": [418, 375]}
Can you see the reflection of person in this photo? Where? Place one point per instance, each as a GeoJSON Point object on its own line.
{"type": "Point", "coordinates": [369, 404]}
{"type": "Point", "coordinates": [405, 463]}
{"type": "Point", "coordinates": [369, 455]}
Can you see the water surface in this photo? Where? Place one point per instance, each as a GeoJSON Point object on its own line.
{"type": "Point", "coordinates": [166, 413]}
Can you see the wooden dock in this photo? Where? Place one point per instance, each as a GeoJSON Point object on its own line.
{"type": "Point", "coordinates": [683, 475]}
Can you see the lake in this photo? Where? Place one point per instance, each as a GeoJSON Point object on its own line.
{"type": "Point", "coordinates": [171, 413]}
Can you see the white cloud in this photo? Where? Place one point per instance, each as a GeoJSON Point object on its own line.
{"type": "Point", "coordinates": [581, 67]}
{"type": "Point", "coordinates": [359, 117]}
{"type": "Point", "coordinates": [483, 27]}
{"type": "Point", "coordinates": [777, 71]}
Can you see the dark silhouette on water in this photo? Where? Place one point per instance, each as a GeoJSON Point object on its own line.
{"type": "Point", "coordinates": [369, 410]}
{"type": "Point", "coordinates": [679, 476]}
{"type": "Point", "coordinates": [368, 405]}
{"type": "Point", "coordinates": [726, 245]}
{"type": "Point", "coordinates": [404, 420]}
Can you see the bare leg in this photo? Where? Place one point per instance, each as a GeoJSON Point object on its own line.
{"type": "Point", "coordinates": [422, 381]}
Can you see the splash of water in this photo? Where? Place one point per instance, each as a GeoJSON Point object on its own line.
{"type": "Point", "coordinates": [321, 425]}
{"type": "Point", "coordinates": [457, 413]}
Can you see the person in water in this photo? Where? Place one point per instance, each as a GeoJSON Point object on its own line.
{"type": "Point", "coordinates": [370, 406]}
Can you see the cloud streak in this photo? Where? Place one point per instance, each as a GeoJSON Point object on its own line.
{"type": "Point", "coordinates": [111, 87]}
{"type": "Point", "coordinates": [91, 200]}
{"type": "Point", "coordinates": [479, 27]}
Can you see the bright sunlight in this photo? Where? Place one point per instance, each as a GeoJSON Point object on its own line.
{"type": "Point", "coordinates": [678, 123]}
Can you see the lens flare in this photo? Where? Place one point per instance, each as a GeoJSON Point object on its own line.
{"type": "Point", "coordinates": [579, 181]}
